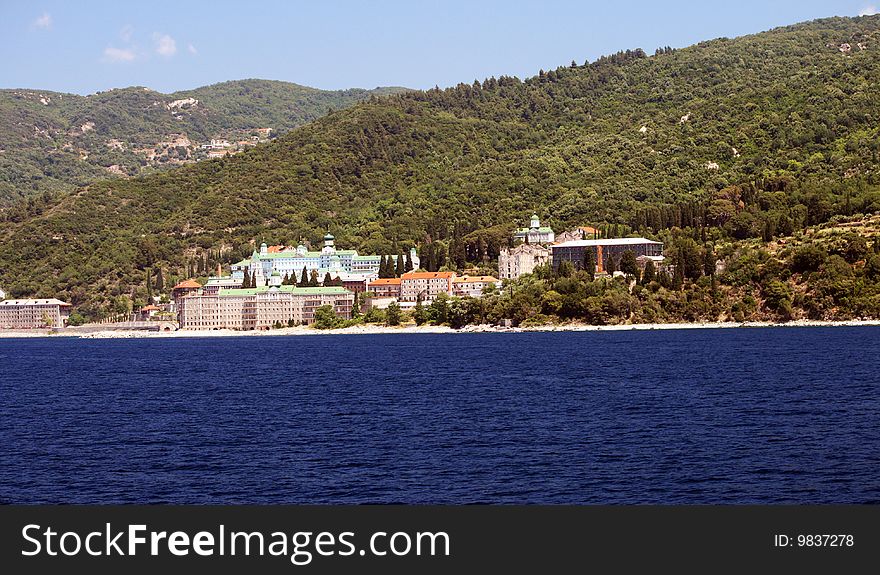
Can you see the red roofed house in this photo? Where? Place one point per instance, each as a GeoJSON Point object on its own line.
{"type": "Point", "coordinates": [425, 285]}
{"type": "Point", "coordinates": [385, 287]}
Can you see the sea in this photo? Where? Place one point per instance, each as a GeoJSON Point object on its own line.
{"type": "Point", "coordinates": [696, 416]}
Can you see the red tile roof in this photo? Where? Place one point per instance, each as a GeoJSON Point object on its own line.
{"type": "Point", "coordinates": [188, 284]}
{"type": "Point", "coordinates": [427, 275]}
{"type": "Point", "coordinates": [385, 282]}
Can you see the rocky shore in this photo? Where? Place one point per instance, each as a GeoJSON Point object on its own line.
{"type": "Point", "coordinates": [424, 329]}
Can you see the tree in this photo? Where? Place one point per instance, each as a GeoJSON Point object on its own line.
{"type": "Point", "coordinates": [149, 274]}
{"type": "Point", "coordinates": [286, 279]}
{"type": "Point", "coordinates": [313, 279]}
{"type": "Point", "coordinates": [628, 264]}
{"type": "Point", "coordinates": [160, 280]}
{"type": "Point", "coordinates": [328, 281]}
{"type": "Point", "coordinates": [649, 273]}
{"type": "Point", "coordinates": [254, 280]}
{"type": "Point", "coordinates": [419, 314]}
{"type": "Point", "coordinates": [325, 318]}
{"type": "Point", "coordinates": [709, 260]}
{"type": "Point", "coordinates": [245, 280]}
{"type": "Point", "coordinates": [392, 314]}
{"type": "Point", "coordinates": [400, 269]}
{"type": "Point", "coordinates": [408, 266]}
{"type": "Point", "coordinates": [610, 265]}
{"type": "Point", "coordinates": [590, 263]}
{"type": "Point", "coordinates": [304, 279]}
{"type": "Point", "coordinates": [356, 306]}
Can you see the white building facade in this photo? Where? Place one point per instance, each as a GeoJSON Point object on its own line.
{"type": "Point", "coordinates": [346, 264]}
{"type": "Point", "coordinates": [261, 308]}
{"type": "Point", "coordinates": [535, 233]}
{"type": "Point", "coordinates": [33, 313]}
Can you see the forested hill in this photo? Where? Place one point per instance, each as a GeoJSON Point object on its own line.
{"type": "Point", "coordinates": [774, 130]}
{"type": "Point", "coordinates": [55, 142]}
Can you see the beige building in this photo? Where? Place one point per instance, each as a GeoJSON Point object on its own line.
{"type": "Point", "coordinates": [33, 313]}
{"type": "Point", "coordinates": [473, 286]}
{"type": "Point", "coordinates": [521, 260]}
{"type": "Point", "coordinates": [425, 285]}
{"type": "Point", "coordinates": [261, 308]}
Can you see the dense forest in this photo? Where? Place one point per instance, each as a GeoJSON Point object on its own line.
{"type": "Point", "coordinates": [733, 143]}
{"type": "Point", "coordinates": [54, 142]}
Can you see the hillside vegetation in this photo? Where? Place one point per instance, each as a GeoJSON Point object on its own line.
{"type": "Point", "coordinates": [54, 142]}
{"type": "Point", "coordinates": [726, 141]}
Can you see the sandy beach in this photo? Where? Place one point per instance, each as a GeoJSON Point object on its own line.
{"type": "Point", "coordinates": [412, 329]}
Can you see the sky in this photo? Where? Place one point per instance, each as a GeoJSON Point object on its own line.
{"type": "Point", "coordinates": [91, 45]}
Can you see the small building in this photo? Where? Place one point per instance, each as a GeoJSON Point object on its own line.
{"type": "Point", "coordinates": [579, 233]}
{"type": "Point", "coordinates": [425, 285]}
{"type": "Point", "coordinates": [535, 233]}
{"type": "Point", "coordinates": [575, 251]}
{"type": "Point", "coordinates": [147, 312]}
{"type": "Point", "coordinates": [385, 287]}
{"type": "Point", "coordinates": [33, 313]}
{"type": "Point", "coordinates": [521, 260]}
{"type": "Point", "coordinates": [473, 286]}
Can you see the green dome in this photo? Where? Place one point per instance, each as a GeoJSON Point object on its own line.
{"type": "Point", "coordinates": [329, 236]}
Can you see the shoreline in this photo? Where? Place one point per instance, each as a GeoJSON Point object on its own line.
{"type": "Point", "coordinates": [425, 329]}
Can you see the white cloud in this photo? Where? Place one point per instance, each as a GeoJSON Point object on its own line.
{"type": "Point", "coordinates": [192, 49]}
{"type": "Point", "coordinates": [44, 21]}
{"type": "Point", "coordinates": [165, 45]}
{"type": "Point", "coordinates": [112, 54]}
{"type": "Point", "coordinates": [868, 10]}
{"type": "Point", "coordinates": [126, 33]}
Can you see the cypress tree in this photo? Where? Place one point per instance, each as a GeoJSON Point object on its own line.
{"type": "Point", "coordinates": [254, 280]}
{"type": "Point", "coordinates": [355, 306]}
{"type": "Point", "coordinates": [649, 273]}
{"type": "Point", "coordinates": [408, 266]}
{"type": "Point", "coordinates": [160, 281]}
{"type": "Point", "coordinates": [313, 279]}
{"type": "Point", "coordinates": [400, 266]}
{"type": "Point", "coordinates": [610, 265]}
{"type": "Point", "coordinates": [286, 279]}
{"type": "Point", "coordinates": [328, 281]}
{"type": "Point", "coordinates": [590, 263]}
{"type": "Point", "coordinates": [304, 280]}
{"type": "Point", "coordinates": [149, 274]}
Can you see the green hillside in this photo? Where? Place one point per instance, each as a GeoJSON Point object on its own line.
{"type": "Point", "coordinates": [54, 142]}
{"type": "Point", "coordinates": [727, 140]}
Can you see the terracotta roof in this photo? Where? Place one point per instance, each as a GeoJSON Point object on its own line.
{"type": "Point", "coordinates": [275, 249]}
{"type": "Point", "coordinates": [149, 308]}
{"type": "Point", "coordinates": [385, 282]}
{"type": "Point", "coordinates": [188, 284]}
{"type": "Point", "coordinates": [466, 279]}
{"type": "Point", "coordinates": [427, 275]}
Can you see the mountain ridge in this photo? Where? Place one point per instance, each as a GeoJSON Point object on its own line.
{"type": "Point", "coordinates": [54, 141]}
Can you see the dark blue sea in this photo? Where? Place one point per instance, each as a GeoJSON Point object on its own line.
{"type": "Point", "coordinates": [777, 415]}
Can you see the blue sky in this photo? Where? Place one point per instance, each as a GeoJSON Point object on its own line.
{"type": "Point", "coordinates": [91, 45]}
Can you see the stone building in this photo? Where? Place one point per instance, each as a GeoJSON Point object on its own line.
{"type": "Point", "coordinates": [521, 260]}
{"type": "Point", "coordinates": [261, 308]}
{"type": "Point", "coordinates": [425, 285]}
{"type": "Point", "coordinates": [33, 313]}
{"type": "Point", "coordinates": [473, 286]}
{"type": "Point", "coordinates": [575, 251]}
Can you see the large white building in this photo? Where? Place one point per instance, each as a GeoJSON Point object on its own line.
{"type": "Point", "coordinates": [348, 265]}
{"type": "Point", "coordinates": [535, 233]}
{"type": "Point", "coordinates": [261, 308]}
{"type": "Point", "coordinates": [33, 313]}
{"type": "Point", "coordinates": [521, 260]}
